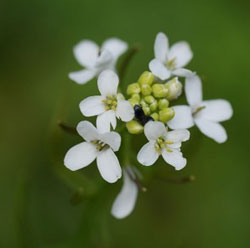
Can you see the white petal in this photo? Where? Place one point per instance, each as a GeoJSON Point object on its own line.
{"type": "Point", "coordinates": [193, 90]}
{"type": "Point", "coordinates": [182, 119]}
{"type": "Point", "coordinates": [182, 72]}
{"type": "Point", "coordinates": [86, 53]}
{"type": "Point", "coordinates": [216, 110]}
{"type": "Point", "coordinates": [115, 46]}
{"type": "Point", "coordinates": [174, 158]}
{"type": "Point", "coordinates": [161, 47]}
{"type": "Point", "coordinates": [178, 135]}
{"type": "Point", "coordinates": [159, 69]}
{"type": "Point", "coordinates": [148, 155]}
{"type": "Point", "coordinates": [80, 156]}
{"type": "Point", "coordinates": [82, 77]}
{"type": "Point", "coordinates": [126, 199]}
{"type": "Point", "coordinates": [108, 166]}
{"type": "Point", "coordinates": [112, 139]}
{"type": "Point", "coordinates": [154, 129]}
{"type": "Point", "coordinates": [92, 106]}
{"type": "Point", "coordinates": [103, 60]}
{"type": "Point", "coordinates": [108, 83]}
{"type": "Point", "coordinates": [125, 111]}
{"type": "Point", "coordinates": [211, 129]}
{"type": "Point", "coordinates": [104, 121]}
{"type": "Point", "coordinates": [182, 52]}
{"type": "Point", "coordinates": [87, 130]}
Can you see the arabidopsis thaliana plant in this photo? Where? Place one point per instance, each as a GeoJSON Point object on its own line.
{"type": "Point", "coordinates": [170, 61]}
{"type": "Point", "coordinates": [126, 199]}
{"type": "Point", "coordinates": [95, 59]}
{"type": "Point", "coordinates": [109, 105]}
{"type": "Point", "coordinates": [99, 146]}
{"type": "Point", "coordinates": [161, 142]}
{"type": "Point", "coordinates": [206, 115]}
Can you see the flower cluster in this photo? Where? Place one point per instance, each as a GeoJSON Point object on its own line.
{"type": "Point", "coordinates": [148, 109]}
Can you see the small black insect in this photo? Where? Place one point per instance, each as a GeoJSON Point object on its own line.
{"type": "Point", "coordinates": [140, 116]}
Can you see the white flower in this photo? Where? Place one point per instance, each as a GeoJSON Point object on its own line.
{"type": "Point", "coordinates": [109, 104]}
{"type": "Point", "coordinates": [126, 199]}
{"type": "Point", "coordinates": [206, 115]}
{"type": "Point", "coordinates": [163, 143]}
{"type": "Point", "coordinates": [96, 146]}
{"type": "Point", "coordinates": [169, 61]}
{"type": "Point", "coordinates": [95, 59]}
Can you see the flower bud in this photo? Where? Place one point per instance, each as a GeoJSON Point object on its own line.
{"type": "Point", "coordinates": [159, 90]}
{"type": "Point", "coordinates": [146, 89]}
{"type": "Point", "coordinates": [146, 78]}
{"type": "Point", "coordinates": [146, 110]}
{"type": "Point", "coordinates": [153, 106]}
{"type": "Point", "coordinates": [143, 103]}
{"type": "Point", "coordinates": [163, 103]}
{"type": "Point", "coordinates": [174, 89]}
{"type": "Point", "coordinates": [134, 127]}
{"type": "Point", "coordinates": [133, 89]}
{"type": "Point", "coordinates": [136, 97]}
{"type": "Point", "coordinates": [149, 99]}
{"type": "Point", "coordinates": [166, 114]}
{"type": "Point", "coordinates": [155, 116]}
{"type": "Point", "coordinates": [133, 101]}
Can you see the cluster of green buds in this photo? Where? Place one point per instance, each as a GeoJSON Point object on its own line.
{"type": "Point", "coordinates": [154, 98]}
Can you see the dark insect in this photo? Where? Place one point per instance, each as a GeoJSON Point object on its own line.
{"type": "Point", "coordinates": [140, 116]}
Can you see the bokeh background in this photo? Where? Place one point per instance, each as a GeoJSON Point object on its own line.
{"type": "Point", "coordinates": [36, 204]}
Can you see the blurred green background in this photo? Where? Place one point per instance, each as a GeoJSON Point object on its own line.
{"type": "Point", "coordinates": [36, 40]}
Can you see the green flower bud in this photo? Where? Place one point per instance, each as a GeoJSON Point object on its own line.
{"type": "Point", "coordinates": [146, 89]}
{"type": "Point", "coordinates": [136, 97]}
{"type": "Point", "coordinates": [134, 127]}
{"type": "Point", "coordinates": [174, 89]}
{"type": "Point", "coordinates": [146, 78]}
{"type": "Point", "coordinates": [155, 116]}
{"type": "Point", "coordinates": [133, 89]}
{"type": "Point", "coordinates": [159, 90]}
{"type": "Point", "coordinates": [153, 106]}
{"type": "Point", "coordinates": [149, 99]}
{"type": "Point", "coordinates": [133, 101]}
{"type": "Point", "coordinates": [163, 103]}
{"type": "Point", "coordinates": [146, 110]}
{"type": "Point", "coordinates": [166, 114]}
{"type": "Point", "coordinates": [143, 103]}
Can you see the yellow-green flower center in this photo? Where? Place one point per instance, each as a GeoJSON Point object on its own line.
{"type": "Point", "coordinates": [99, 144]}
{"type": "Point", "coordinates": [110, 102]}
{"type": "Point", "coordinates": [162, 143]}
{"type": "Point", "coordinates": [171, 64]}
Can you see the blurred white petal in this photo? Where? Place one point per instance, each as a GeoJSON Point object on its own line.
{"type": "Point", "coordinates": [83, 76]}
{"type": "Point", "coordinates": [92, 106]}
{"type": "Point", "coordinates": [178, 135]}
{"type": "Point", "coordinates": [148, 155]}
{"type": "Point", "coordinates": [159, 69]}
{"type": "Point", "coordinates": [115, 46]}
{"type": "Point", "coordinates": [108, 83]}
{"type": "Point", "coordinates": [182, 72]}
{"type": "Point", "coordinates": [87, 130]}
{"type": "Point", "coordinates": [161, 47]}
{"type": "Point", "coordinates": [125, 111]}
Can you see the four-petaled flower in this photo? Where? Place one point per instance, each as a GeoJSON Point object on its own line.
{"type": "Point", "coordinates": [109, 105]}
{"type": "Point", "coordinates": [169, 61]}
{"type": "Point", "coordinates": [163, 143]}
{"type": "Point", "coordinates": [99, 146]}
{"type": "Point", "coordinates": [206, 115]}
{"type": "Point", "coordinates": [95, 59]}
{"type": "Point", "coordinates": [126, 199]}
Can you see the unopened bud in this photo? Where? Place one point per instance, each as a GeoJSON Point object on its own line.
{"type": "Point", "coordinates": [146, 89]}
{"type": "Point", "coordinates": [146, 78]}
{"type": "Point", "coordinates": [159, 90]}
{"type": "Point", "coordinates": [153, 106]}
{"type": "Point", "coordinates": [133, 101]}
{"type": "Point", "coordinates": [149, 99]}
{"type": "Point", "coordinates": [133, 89]}
{"type": "Point", "coordinates": [174, 89]}
{"type": "Point", "coordinates": [155, 116]}
{"type": "Point", "coordinates": [143, 103]}
{"type": "Point", "coordinates": [166, 114]}
{"type": "Point", "coordinates": [163, 103]}
{"type": "Point", "coordinates": [146, 110]}
{"type": "Point", "coordinates": [134, 127]}
{"type": "Point", "coordinates": [136, 97]}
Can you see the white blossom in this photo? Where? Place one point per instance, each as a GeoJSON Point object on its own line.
{"type": "Point", "coordinates": [126, 199]}
{"type": "Point", "coordinates": [206, 115]}
{"type": "Point", "coordinates": [95, 59]}
{"type": "Point", "coordinates": [99, 146]}
{"type": "Point", "coordinates": [170, 61]}
{"type": "Point", "coordinates": [109, 105]}
{"type": "Point", "coordinates": [161, 142]}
